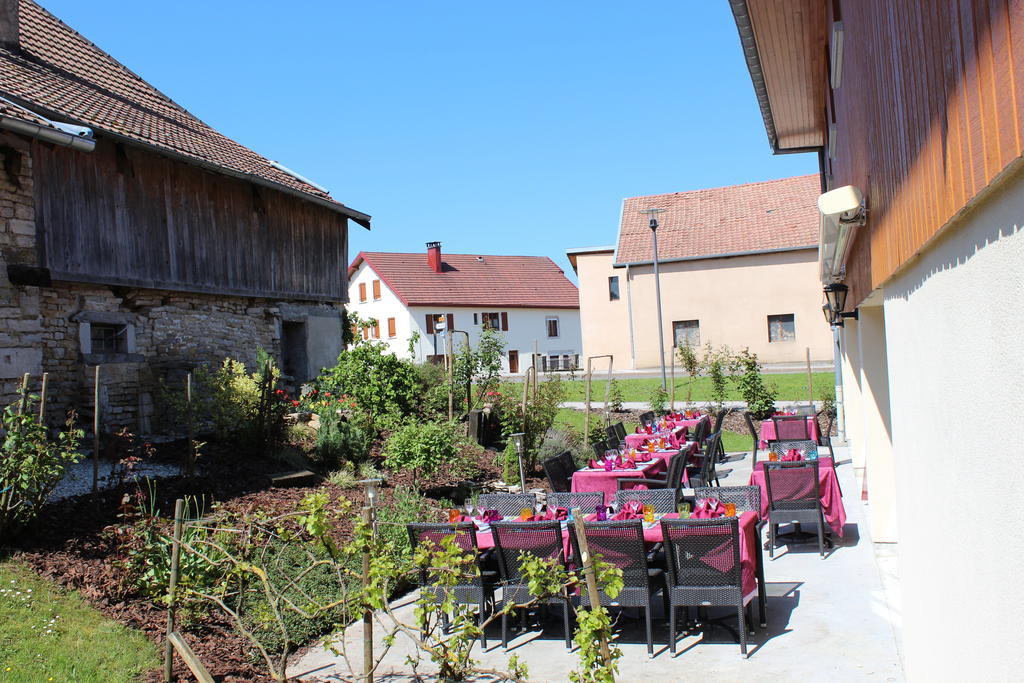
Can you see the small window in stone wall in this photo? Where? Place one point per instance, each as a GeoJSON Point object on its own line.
{"type": "Point", "coordinates": [108, 338]}
{"type": "Point", "coordinates": [781, 328]}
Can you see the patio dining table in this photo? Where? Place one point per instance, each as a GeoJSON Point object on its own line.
{"type": "Point", "coordinates": [688, 422]}
{"type": "Point", "coordinates": [587, 479]}
{"type": "Point", "coordinates": [828, 485]}
{"type": "Point", "coordinates": [637, 440]}
{"type": "Point", "coordinates": [768, 431]}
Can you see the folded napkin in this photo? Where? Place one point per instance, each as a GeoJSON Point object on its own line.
{"type": "Point", "coordinates": [631, 509]}
{"type": "Point", "coordinates": [708, 508]}
{"type": "Point", "coordinates": [639, 429]}
{"type": "Point", "coordinates": [643, 456]}
{"type": "Point", "coordinates": [552, 514]}
{"type": "Point", "coordinates": [793, 455]}
{"type": "Point", "coordinates": [489, 516]}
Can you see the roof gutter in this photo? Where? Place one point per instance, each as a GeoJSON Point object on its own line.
{"type": "Point", "coordinates": [704, 257]}
{"type": "Point", "coordinates": [79, 142]}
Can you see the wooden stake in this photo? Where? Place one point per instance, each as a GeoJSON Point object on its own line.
{"type": "Point", "coordinates": [23, 406]}
{"type": "Point", "coordinates": [586, 406]}
{"type": "Point", "coordinates": [96, 431]}
{"type": "Point", "coordinates": [179, 513]}
{"type": "Point", "coordinates": [590, 576]}
{"type": "Point", "coordinates": [42, 399]}
{"type": "Point", "coordinates": [190, 454]}
{"type": "Point", "coordinates": [672, 396]}
{"type": "Point", "coordinates": [451, 375]}
{"type": "Point", "coordinates": [367, 612]}
{"type": "Point", "coordinates": [810, 384]}
{"type": "Point", "coordinates": [190, 657]}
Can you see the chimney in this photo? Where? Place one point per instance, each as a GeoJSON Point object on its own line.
{"type": "Point", "coordinates": [9, 37]}
{"type": "Point", "coordinates": [434, 256]}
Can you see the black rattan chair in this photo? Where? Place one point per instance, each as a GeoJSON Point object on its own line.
{"type": "Point", "coordinates": [541, 539]}
{"type": "Point", "coordinates": [568, 463]}
{"type": "Point", "coordinates": [622, 545]}
{"type": "Point", "coordinates": [791, 428]}
{"type": "Point", "coordinates": [825, 435]}
{"type": "Point", "coordinates": [476, 589]}
{"type": "Point", "coordinates": [808, 449]}
{"type": "Point", "coordinates": [508, 504]}
{"type": "Point", "coordinates": [586, 501]}
{"type": "Point", "coordinates": [613, 436]}
{"type": "Point", "coordinates": [555, 472]}
{"type": "Point", "coordinates": [599, 448]}
{"type": "Point", "coordinates": [719, 419]}
{"type": "Point", "coordinates": [663, 500]}
{"type": "Point", "coordinates": [620, 431]}
{"type": "Point", "coordinates": [702, 430]}
{"type": "Point", "coordinates": [793, 497]}
{"type": "Point", "coordinates": [672, 480]}
{"type": "Point", "coordinates": [745, 498]}
{"type": "Point", "coordinates": [647, 418]}
{"type": "Point", "coordinates": [704, 570]}
{"type": "Point", "coordinates": [753, 435]}
{"type": "Point", "coordinates": [704, 472]}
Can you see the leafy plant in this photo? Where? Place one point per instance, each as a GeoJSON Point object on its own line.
{"type": "Point", "coordinates": [760, 397]}
{"type": "Point", "coordinates": [537, 419]}
{"type": "Point", "coordinates": [339, 441]}
{"type": "Point", "coordinates": [615, 397]}
{"type": "Point", "coordinates": [691, 364]}
{"type": "Point", "coordinates": [718, 362]}
{"type": "Point", "coordinates": [421, 447]}
{"type": "Point", "coordinates": [659, 397]}
{"type": "Point", "coordinates": [379, 382]}
{"type": "Point", "coordinates": [32, 463]}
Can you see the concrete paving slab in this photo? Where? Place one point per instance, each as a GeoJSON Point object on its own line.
{"type": "Point", "coordinates": [828, 619]}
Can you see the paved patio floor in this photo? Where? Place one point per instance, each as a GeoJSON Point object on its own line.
{"type": "Point", "coordinates": [832, 619]}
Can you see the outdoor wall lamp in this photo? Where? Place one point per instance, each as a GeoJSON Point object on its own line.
{"type": "Point", "coordinates": [370, 486]}
{"type": "Point", "coordinates": [842, 210]}
{"type": "Point", "coordinates": [835, 302]}
{"type": "Point", "coordinates": [517, 441]}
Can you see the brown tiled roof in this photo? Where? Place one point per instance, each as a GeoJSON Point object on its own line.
{"type": "Point", "coordinates": [765, 216]}
{"type": "Point", "coordinates": [63, 76]}
{"type": "Point", "coordinates": [473, 280]}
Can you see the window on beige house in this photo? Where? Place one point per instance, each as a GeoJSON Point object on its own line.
{"type": "Point", "coordinates": [686, 332]}
{"type": "Point", "coordinates": [781, 328]}
{"type": "Point", "coordinates": [613, 288]}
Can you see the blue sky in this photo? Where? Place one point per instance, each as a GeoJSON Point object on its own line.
{"type": "Point", "coordinates": [513, 128]}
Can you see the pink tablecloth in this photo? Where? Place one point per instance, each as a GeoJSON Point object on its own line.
{"type": "Point", "coordinates": [748, 545]}
{"type": "Point", "coordinates": [831, 497]}
{"type": "Point", "coordinates": [688, 423]}
{"type": "Point", "coordinates": [600, 480]}
{"type": "Point", "coordinates": [637, 440]}
{"type": "Point", "coordinates": [768, 431]}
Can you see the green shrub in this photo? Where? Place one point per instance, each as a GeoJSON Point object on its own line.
{"type": "Point", "coordinates": [406, 505]}
{"type": "Point", "coordinates": [536, 421]}
{"type": "Point", "coordinates": [339, 441]}
{"type": "Point", "coordinates": [421, 447]}
{"type": "Point", "coordinates": [658, 400]}
{"type": "Point", "coordinates": [615, 397]}
{"type": "Point", "coordinates": [760, 397]}
{"type": "Point", "coordinates": [379, 383]}
{"type": "Point", "coordinates": [718, 362]}
{"type": "Point", "coordinates": [31, 464]}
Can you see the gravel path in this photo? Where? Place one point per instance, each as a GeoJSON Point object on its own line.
{"type": "Point", "coordinates": [78, 477]}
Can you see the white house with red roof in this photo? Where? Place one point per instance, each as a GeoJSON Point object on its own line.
{"type": "Point", "coordinates": [415, 299]}
{"type": "Point", "coordinates": [739, 267]}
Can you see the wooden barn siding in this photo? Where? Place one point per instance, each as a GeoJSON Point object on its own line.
{"type": "Point", "coordinates": [929, 112]}
{"type": "Point", "coordinates": [149, 221]}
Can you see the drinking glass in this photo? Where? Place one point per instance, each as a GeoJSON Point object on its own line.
{"type": "Point", "coordinates": [469, 508]}
{"type": "Point", "coordinates": [730, 509]}
{"type": "Point", "coordinates": [773, 457]}
{"type": "Point", "coordinates": [453, 516]}
{"type": "Point", "coordinates": [684, 510]}
{"type": "Point", "coordinates": [649, 514]}
{"type": "Point", "coordinates": [525, 513]}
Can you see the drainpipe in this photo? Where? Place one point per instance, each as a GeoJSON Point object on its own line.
{"type": "Point", "coordinates": [629, 313]}
{"type": "Point", "coordinates": [838, 370]}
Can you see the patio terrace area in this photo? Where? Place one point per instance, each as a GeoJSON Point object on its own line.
{"type": "Point", "coordinates": [828, 619]}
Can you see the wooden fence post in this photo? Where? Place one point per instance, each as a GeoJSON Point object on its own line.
{"type": "Point", "coordinates": [23, 406]}
{"type": "Point", "coordinates": [810, 383]}
{"type": "Point", "coordinates": [590, 576]}
{"type": "Point", "coordinates": [179, 513]}
{"type": "Point", "coordinates": [190, 454]}
{"type": "Point", "coordinates": [367, 612]}
{"type": "Point", "coordinates": [42, 399]}
{"type": "Point", "coordinates": [96, 431]}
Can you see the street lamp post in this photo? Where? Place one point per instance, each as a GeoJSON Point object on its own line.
{"type": "Point", "coordinates": [653, 224]}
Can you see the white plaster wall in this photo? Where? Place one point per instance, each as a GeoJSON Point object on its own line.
{"type": "Point", "coordinates": [389, 306]}
{"type": "Point", "coordinates": [525, 326]}
{"type": "Point", "coordinates": [876, 429]}
{"type": "Point", "coordinates": [956, 375]}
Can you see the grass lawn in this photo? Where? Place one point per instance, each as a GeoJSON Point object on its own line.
{"type": "Point", "coordinates": [48, 634]}
{"type": "Point", "coordinates": [792, 387]}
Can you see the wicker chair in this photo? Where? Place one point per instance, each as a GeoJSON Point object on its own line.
{"type": "Point", "coordinates": [508, 504]}
{"type": "Point", "coordinates": [704, 472]}
{"type": "Point", "coordinates": [622, 545]}
{"type": "Point", "coordinates": [555, 472]}
{"type": "Point", "coordinates": [568, 464]}
{"type": "Point", "coordinates": [825, 435]}
{"type": "Point", "coordinates": [745, 498]}
{"type": "Point", "coordinates": [663, 500]}
{"type": "Point", "coordinates": [476, 590]}
{"type": "Point", "coordinates": [599, 448]}
{"type": "Point", "coordinates": [719, 419]}
{"type": "Point", "coordinates": [620, 431]}
{"type": "Point", "coordinates": [647, 418]}
{"type": "Point", "coordinates": [791, 428]}
{"type": "Point", "coordinates": [753, 435]}
{"type": "Point", "coordinates": [702, 430]}
{"type": "Point", "coordinates": [584, 500]}
{"type": "Point", "coordinates": [672, 480]}
{"type": "Point", "coordinates": [541, 539]}
{"type": "Point", "coordinates": [808, 449]}
{"type": "Point", "coordinates": [703, 558]}
{"type": "Point", "coordinates": [613, 436]}
{"type": "Point", "coordinates": [793, 496]}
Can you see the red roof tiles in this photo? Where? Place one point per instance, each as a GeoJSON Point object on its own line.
{"type": "Point", "coordinates": [473, 280]}
{"type": "Point", "coordinates": [65, 77]}
{"type": "Point", "coordinates": [765, 216]}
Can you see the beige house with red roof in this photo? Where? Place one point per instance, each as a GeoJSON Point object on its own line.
{"type": "Point", "coordinates": [738, 268]}
{"type": "Point", "coordinates": [414, 297]}
{"type": "Point", "coordinates": [136, 237]}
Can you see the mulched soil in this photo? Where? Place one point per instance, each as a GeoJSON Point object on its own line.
{"type": "Point", "coordinates": [80, 542]}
